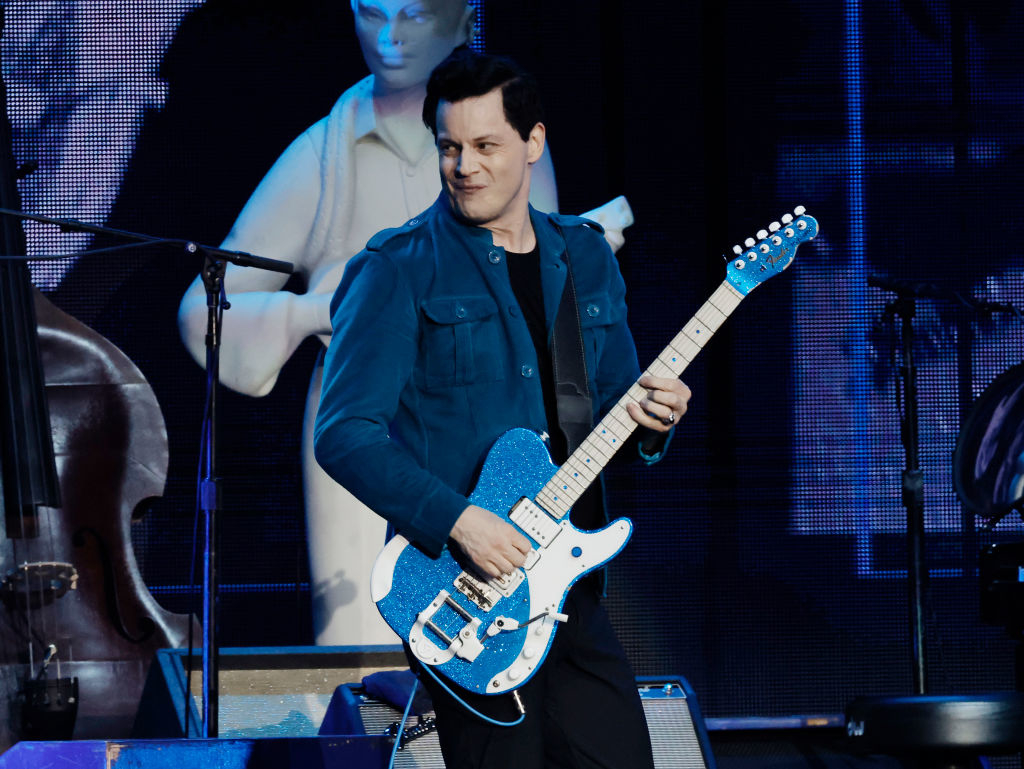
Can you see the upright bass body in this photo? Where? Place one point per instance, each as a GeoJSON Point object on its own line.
{"type": "Point", "coordinates": [76, 584]}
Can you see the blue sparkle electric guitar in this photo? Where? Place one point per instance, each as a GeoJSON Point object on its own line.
{"type": "Point", "coordinates": [491, 636]}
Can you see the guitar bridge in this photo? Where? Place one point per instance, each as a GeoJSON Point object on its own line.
{"type": "Point", "coordinates": [486, 594]}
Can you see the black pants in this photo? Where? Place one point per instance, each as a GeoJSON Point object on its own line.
{"type": "Point", "coordinates": [582, 706]}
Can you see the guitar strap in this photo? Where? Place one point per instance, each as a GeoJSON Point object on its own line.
{"type": "Point", "coordinates": [569, 365]}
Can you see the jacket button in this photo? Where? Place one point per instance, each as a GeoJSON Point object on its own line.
{"type": "Point", "coordinates": [411, 222]}
{"type": "Point", "coordinates": [593, 310]}
{"type": "Point", "coordinates": [527, 371]}
{"type": "Point", "coordinates": [494, 257]}
{"type": "Point", "coordinates": [513, 311]}
{"type": "Point", "coordinates": [460, 312]}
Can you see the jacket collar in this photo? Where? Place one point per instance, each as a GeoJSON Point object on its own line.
{"type": "Point", "coordinates": [479, 243]}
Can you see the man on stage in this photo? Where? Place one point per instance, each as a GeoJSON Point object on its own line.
{"type": "Point", "coordinates": [442, 341]}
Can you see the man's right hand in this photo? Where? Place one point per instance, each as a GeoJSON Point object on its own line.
{"type": "Point", "coordinates": [495, 546]}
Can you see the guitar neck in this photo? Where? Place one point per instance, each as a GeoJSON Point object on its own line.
{"type": "Point", "coordinates": [586, 462]}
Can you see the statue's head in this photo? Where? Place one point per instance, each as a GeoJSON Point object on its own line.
{"type": "Point", "coordinates": [403, 40]}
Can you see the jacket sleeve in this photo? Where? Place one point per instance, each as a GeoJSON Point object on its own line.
{"type": "Point", "coordinates": [369, 361]}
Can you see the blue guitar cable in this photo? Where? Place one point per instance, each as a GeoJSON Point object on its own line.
{"type": "Point", "coordinates": [473, 710]}
{"type": "Point", "coordinates": [401, 725]}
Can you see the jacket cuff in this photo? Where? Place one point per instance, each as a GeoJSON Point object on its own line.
{"type": "Point", "coordinates": [431, 527]}
{"type": "Point", "coordinates": [652, 447]}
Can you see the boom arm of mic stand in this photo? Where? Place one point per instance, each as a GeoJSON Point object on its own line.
{"type": "Point", "coordinates": [240, 258]}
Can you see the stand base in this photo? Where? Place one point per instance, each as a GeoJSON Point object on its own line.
{"type": "Point", "coordinates": [946, 731]}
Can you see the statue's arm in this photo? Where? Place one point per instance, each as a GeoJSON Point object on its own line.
{"type": "Point", "coordinates": [614, 216]}
{"type": "Point", "coordinates": [265, 325]}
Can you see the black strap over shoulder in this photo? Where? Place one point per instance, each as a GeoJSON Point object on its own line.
{"type": "Point", "coordinates": [569, 365]}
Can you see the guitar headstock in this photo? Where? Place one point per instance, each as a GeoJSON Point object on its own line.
{"type": "Point", "coordinates": [772, 252]}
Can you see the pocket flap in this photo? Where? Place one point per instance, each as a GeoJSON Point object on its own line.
{"type": "Point", "coordinates": [460, 309]}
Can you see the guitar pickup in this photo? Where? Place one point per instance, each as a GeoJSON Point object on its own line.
{"type": "Point", "coordinates": [534, 522]}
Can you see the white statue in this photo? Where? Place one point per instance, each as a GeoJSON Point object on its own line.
{"type": "Point", "coordinates": [370, 164]}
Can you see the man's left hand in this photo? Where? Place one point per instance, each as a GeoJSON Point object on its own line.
{"type": "Point", "coordinates": [664, 405]}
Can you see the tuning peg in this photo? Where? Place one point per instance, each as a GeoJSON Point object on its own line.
{"type": "Point", "coordinates": [774, 227]}
{"type": "Point", "coordinates": [762, 234]}
{"type": "Point", "coordinates": [749, 242]}
{"type": "Point", "coordinates": [787, 218]}
{"type": "Point", "coordinates": [737, 250]}
{"type": "Point", "coordinates": [799, 210]}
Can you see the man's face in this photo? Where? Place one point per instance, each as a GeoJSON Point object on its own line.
{"type": "Point", "coordinates": [485, 164]}
{"type": "Point", "coordinates": [403, 41]}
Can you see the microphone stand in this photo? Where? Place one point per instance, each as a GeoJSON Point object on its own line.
{"type": "Point", "coordinates": [904, 307]}
{"type": "Point", "coordinates": [214, 265]}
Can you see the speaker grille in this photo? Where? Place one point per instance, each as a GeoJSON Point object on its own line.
{"type": "Point", "coordinates": [674, 738]}
{"type": "Point", "coordinates": [421, 753]}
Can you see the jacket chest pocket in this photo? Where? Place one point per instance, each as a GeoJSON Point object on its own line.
{"type": "Point", "coordinates": [461, 343]}
{"type": "Point", "coordinates": [597, 314]}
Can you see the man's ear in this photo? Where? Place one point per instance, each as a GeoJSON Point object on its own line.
{"type": "Point", "coordinates": [535, 143]}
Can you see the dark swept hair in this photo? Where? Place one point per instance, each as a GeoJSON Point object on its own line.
{"type": "Point", "coordinates": [466, 73]}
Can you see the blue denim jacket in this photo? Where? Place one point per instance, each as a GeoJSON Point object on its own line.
{"type": "Point", "coordinates": [431, 360]}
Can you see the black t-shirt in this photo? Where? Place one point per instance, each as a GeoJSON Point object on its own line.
{"type": "Point", "coordinates": [524, 275]}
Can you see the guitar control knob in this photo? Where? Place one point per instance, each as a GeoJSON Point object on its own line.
{"type": "Point", "coordinates": [529, 652]}
{"type": "Point", "coordinates": [514, 674]}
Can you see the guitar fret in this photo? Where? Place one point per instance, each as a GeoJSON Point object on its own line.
{"type": "Point", "coordinates": [581, 470]}
{"type": "Point", "coordinates": [547, 501]}
{"type": "Point", "coordinates": [570, 487]}
{"type": "Point", "coordinates": [598, 449]}
{"type": "Point", "coordinates": [617, 427]}
{"type": "Point", "coordinates": [622, 417]}
{"type": "Point", "coordinates": [711, 316]}
{"type": "Point", "coordinates": [697, 332]}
